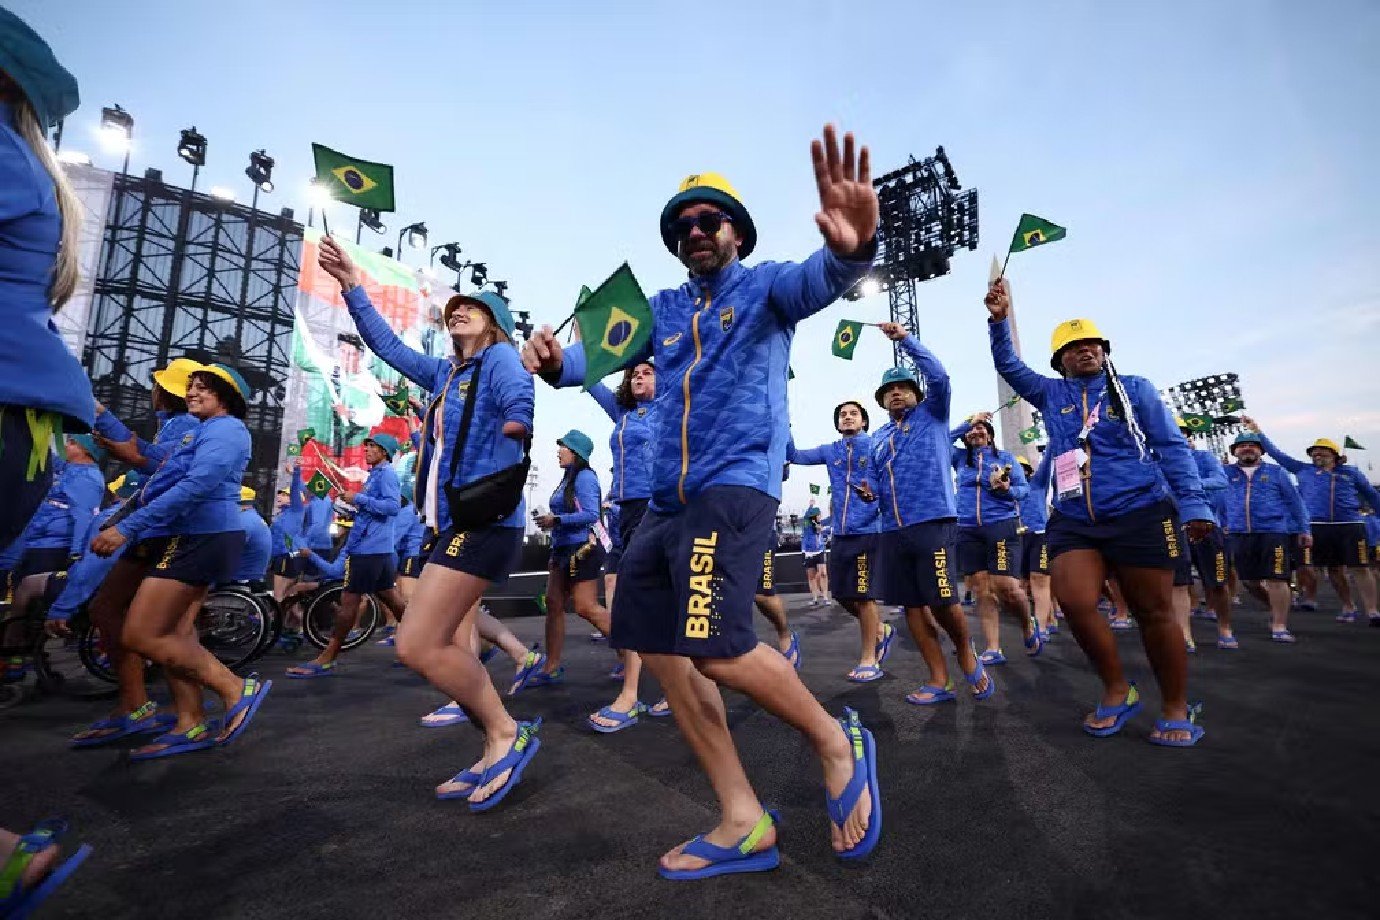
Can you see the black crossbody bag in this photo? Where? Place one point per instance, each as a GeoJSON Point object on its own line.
{"type": "Point", "coordinates": [491, 498]}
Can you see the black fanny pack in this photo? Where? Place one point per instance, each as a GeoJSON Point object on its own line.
{"type": "Point", "coordinates": [491, 498]}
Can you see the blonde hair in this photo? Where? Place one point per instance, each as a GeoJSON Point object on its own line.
{"type": "Point", "coordinates": [66, 271]}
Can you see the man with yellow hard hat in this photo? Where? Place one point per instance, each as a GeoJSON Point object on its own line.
{"type": "Point", "coordinates": [1333, 492]}
{"type": "Point", "coordinates": [689, 572]}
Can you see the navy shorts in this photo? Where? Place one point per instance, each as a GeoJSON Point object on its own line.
{"type": "Point", "coordinates": [766, 579]}
{"type": "Point", "coordinates": [412, 566]}
{"type": "Point", "coordinates": [370, 573]}
{"type": "Point", "coordinates": [611, 560]}
{"type": "Point", "coordinates": [1339, 544]}
{"type": "Point", "coordinates": [814, 560]}
{"type": "Point", "coordinates": [630, 513]}
{"type": "Point", "coordinates": [578, 562]}
{"type": "Point", "coordinates": [851, 570]}
{"type": "Point", "coordinates": [37, 561]}
{"type": "Point", "coordinates": [490, 553]}
{"type": "Point", "coordinates": [687, 580]}
{"type": "Point", "coordinates": [22, 493]}
{"type": "Point", "coordinates": [917, 564]}
{"type": "Point", "coordinates": [288, 565]}
{"type": "Point", "coordinates": [193, 559]}
{"type": "Point", "coordinates": [1034, 553]}
{"type": "Point", "coordinates": [993, 548]}
{"type": "Point", "coordinates": [1262, 556]}
{"type": "Point", "coordinates": [1148, 538]}
{"type": "Point", "coordinates": [1210, 559]}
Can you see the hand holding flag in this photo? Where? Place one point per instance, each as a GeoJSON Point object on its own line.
{"type": "Point", "coordinates": [1032, 231]}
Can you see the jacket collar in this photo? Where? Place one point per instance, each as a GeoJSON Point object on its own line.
{"type": "Point", "coordinates": [721, 280]}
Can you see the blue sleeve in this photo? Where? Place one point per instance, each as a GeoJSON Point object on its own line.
{"type": "Point", "coordinates": [938, 390]}
{"type": "Point", "coordinates": [1298, 514]}
{"type": "Point", "coordinates": [1040, 479]}
{"type": "Point", "coordinates": [1283, 459]}
{"type": "Point", "coordinates": [1020, 486]}
{"type": "Point", "coordinates": [587, 495]}
{"type": "Point", "coordinates": [111, 428]}
{"type": "Point", "coordinates": [412, 539]}
{"type": "Point", "coordinates": [416, 439]}
{"type": "Point", "coordinates": [1210, 471]}
{"type": "Point", "coordinates": [810, 456]}
{"type": "Point", "coordinates": [606, 400]}
{"type": "Point", "coordinates": [214, 456]}
{"type": "Point", "coordinates": [957, 432]}
{"type": "Point", "coordinates": [385, 500]}
{"type": "Point", "coordinates": [1027, 383]}
{"type": "Point", "coordinates": [83, 500]}
{"type": "Point", "coordinates": [83, 578]}
{"type": "Point", "coordinates": [328, 569]}
{"type": "Point", "coordinates": [573, 361]}
{"type": "Point", "coordinates": [1364, 487]}
{"type": "Point", "coordinates": [1175, 456]}
{"type": "Point", "coordinates": [512, 387]}
{"type": "Point", "coordinates": [173, 432]}
{"type": "Point", "coordinates": [295, 490]}
{"type": "Point", "coordinates": [19, 188]}
{"type": "Point", "coordinates": [421, 369]}
{"type": "Point", "coordinates": [801, 289]}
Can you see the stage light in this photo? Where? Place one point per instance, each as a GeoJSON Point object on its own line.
{"type": "Point", "coordinates": [260, 170]}
{"type": "Point", "coordinates": [449, 255]}
{"type": "Point", "coordinates": [479, 274]}
{"type": "Point", "coordinates": [74, 158]}
{"type": "Point", "coordinates": [368, 217]}
{"type": "Point", "coordinates": [223, 193]}
{"type": "Point", "coordinates": [318, 196]}
{"type": "Point", "coordinates": [192, 147]}
{"type": "Point", "coordinates": [871, 287]}
{"type": "Point", "coordinates": [117, 129]}
{"type": "Point", "coordinates": [415, 234]}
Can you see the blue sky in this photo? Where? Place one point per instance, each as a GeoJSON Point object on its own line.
{"type": "Point", "coordinates": [1214, 163]}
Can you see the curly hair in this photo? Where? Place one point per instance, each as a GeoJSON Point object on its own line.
{"type": "Point", "coordinates": [623, 395]}
{"type": "Point", "coordinates": [229, 397]}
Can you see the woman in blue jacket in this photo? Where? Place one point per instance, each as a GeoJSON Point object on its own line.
{"type": "Point", "coordinates": [1123, 479]}
{"type": "Point", "coordinates": [435, 638]}
{"type": "Point", "coordinates": [169, 406]}
{"type": "Point", "coordinates": [43, 388]}
{"type": "Point", "coordinates": [187, 536]}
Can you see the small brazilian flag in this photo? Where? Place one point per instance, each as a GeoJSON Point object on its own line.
{"type": "Point", "coordinates": [304, 435]}
{"type": "Point", "coordinates": [1349, 443]}
{"type": "Point", "coordinates": [1034, 231]}
{"type": "Point", "coordinates": [294, 450]}
{"type": "Point", "coordinates": [790, 372]}
{"type": "Point", "coordinates": [1232, 405]}
{"type": "Point", "coordinates": [615, 322]}
{"type": "Point", "coordinates": [397, 401]}
{"type": "Point", "coordinates": [1030, 435]}
{"type": "Point", "coordinates": [846, 338]}
{"type": "Point", "coordinates": [1195, 422]}
{"type": "Point", "coordinates": [353, 181]}
{"type": "Point", "coordinates": [318, 485]}
{"type": "Point", "coordinates": [814, 489]}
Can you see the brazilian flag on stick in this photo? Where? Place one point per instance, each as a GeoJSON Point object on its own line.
{"type": "Point", "coordinates": [1196, 422]}
{"type": "Point", "coordinates": [814, 489]}
{"type": "Point", "coordinates": [1350, 444]}
{"type": "Point", "coordinates": [1035, 231]}
{"type": "Point", "coordinates": [304, 435]}
{"type": "Point", "coordinates": [615, 322]}
{"type": "Point", "coordinates": [354, 181]}
{"type": "Point", "coordinates": [1030, 435]}
{"type": "Point", "coordinates": [318, 485]}
{"type": "Point", "coordinates": [846, 338]}
{"type": "Point", "coordinates": [397, 401]}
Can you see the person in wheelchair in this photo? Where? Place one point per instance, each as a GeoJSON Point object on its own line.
{"type": "Point", "coordinates": [258, 544]}
{"type": "Point", "coordinates": [287, 532]}
{"type": "Point", "coordinates": [366, 562]}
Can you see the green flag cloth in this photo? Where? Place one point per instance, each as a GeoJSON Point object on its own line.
{"type": "Point", "coordinates": [790, 372]}
{"type": "Point", "coordinates": [615, 322]}
{"type": "Point", "coordinates": [1010, 402]}
{"type": "Point", "coordinates": [584, 295]}
{"type": "Point", "coordinates": [1033, 231]}
{"type": "Point", "coordinates": [318, 484]}
{"type": "Point", "coordinates": [294, 450]}
{"type": "Point", "coordinates": [1195, 422]}
{"type": "Point", "coordinates": [846, 339]}
{"type": "Point", "coordinates": [305, 434]}
{"type": "Point", "coordinates": [814, 489]}
{"type": "Point", "coordinates": [1030, 435]}
{"type": "Point", "coordinates": [541, 602]}
{"type": "Point", "coordinates": [1232, 405]}
{"type": "Point", "coordinates": [1350, 444]}
{"type": "Point", "coordinates": [397, 401]}
{"type": "Point", "coordinates": [354, 181]}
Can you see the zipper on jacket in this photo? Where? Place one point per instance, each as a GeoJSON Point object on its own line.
{"type": "Point", "coordinates": [978, 483]}
{"type": "Point", "coordinates": [1087, 449]}
{"type": "Point", "coordinates": [622, 483]}
{"type": "Point", "coordinates": [1332, 496]}
{"type": "Point", "coordinates": [1248, 504]}
{"type": "Point", "coordinates": [685, 390]}
{"type": "Point", "coordinates": [847, 476]}
{"type": "Point", "coordinates": [891, 471]}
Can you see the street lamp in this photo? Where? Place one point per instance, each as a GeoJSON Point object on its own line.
{"type": "Point", "coordinates": [117, 132]}
{"type": "Point", "coordinates": [192, 149]}
{"type": "Point", "coordinates": [416, 237]}
{"type": "Point", "coordinates": [260, 171]}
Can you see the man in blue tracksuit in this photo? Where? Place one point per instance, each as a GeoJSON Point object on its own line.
{"type": "Point", "coordinates": [369, 566]}
{"type": "Point", "coordinates": [918, 545]}
{"type": "Point", "coordinates": [1263, 514]}
{"type": "Point", "coordinates": [258, 542]}
{"type": "Point", "coordinates": [1208, 556]}
{"type": "Point", "coordinates": [287, 534]}
{"type": "Point", "coordinates": [1333, 492]}
{"type": "Point", "coordinates": [317, 517]}
{"type": "Point", "coordinates": [56, 533]}
{"type": "Point", "coordinates": [853, 514]}
{"type": "Point", "coordinates": [990, 486]}
{"type": "Point", "coordinates": [686, 583]}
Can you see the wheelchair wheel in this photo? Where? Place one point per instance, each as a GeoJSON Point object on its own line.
{"type": "Point", "coordinates": [275, 622]}
{"type": "Point", "coordinates": [93, 658]}
{"type": "Point", "coordinates": [233, 625]}
{"type": "Point", "coordinates": [61, 668]}
{"type": "Point", "coordinates": [319, 620]}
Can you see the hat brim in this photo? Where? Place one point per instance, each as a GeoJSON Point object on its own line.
{"type": "Point", "coordinates": [703, 194]}
{"type": "Point", "coordinates": [1054, 359]}
{"type": "Point", "coordinates": [503, 321]}
{"type": "Point", "coordinates": [1317, 447]}
{"type": "Point", "coordinates": [165, 380]}
{"type": "Point", "coordinates": [1234, 446]}
{"type": "Point", "coordinates": [560, 442]}
{"type": "Point", "coordinates": [919, 394]}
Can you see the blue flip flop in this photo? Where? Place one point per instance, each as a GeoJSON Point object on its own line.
{"type": "Point", "coordinates": [623, 719]}
{"type": "Point", "coordinates": [524, 748]}
{"type": "Point", "coordinates": [464, 776]}
{"type": "Point", "coordinates": [310, 671]}
{"type": "Point", "coordinates": [991, 656]}
{"type": "Point", "coordinates": [1122, 625]}
{"type": "Point", "coordinates": [864, 777]}
{"type": "Point", "coordinates": [940, 695]}
{"type": "Point", "coordinates": [126, 725]}
{"type": "Point", "coordinates": [1190, 725]}
{"type": "Point", "coordinates": [488, 654]}
{"type": "Point", "coordinates": [451, 714]}
{"type": "Point", "coordinates": [976, 678]}
{"type": "Point", "coordinates": [1123, 711]}
{"type": "Point", "coordinates": [1228, 643]}
{"type": "Point", "coordinates": [728, 860]}
{"type": "Point", "coordinates": [792, 654]}
{"type": "Point", "coordinates": [530, 666]}
{"type": "Point", "coordinates": [543, 679]}
{"type": "Point", "coordinates": [884, 644]}
{"type": "Point", "coordinates": [251, 697]}
{"type": "Point", "coordinates": [662, 714]}
{"type": "Point", "coordinates": [865, 674]}
{"type": "Point", "coordinates": [1053, 630]}
{"type": "Point", "coordinates": [18, 902]}
{"type": "Point", "coordinates": [197, 738]}
{"type": "Point", "coordinates": [1035, 644]}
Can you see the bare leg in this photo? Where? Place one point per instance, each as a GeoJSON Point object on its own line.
{"type": "Point", "coordinates": [986, 605]}
{"type": "Point", "coordinates": [1008, 593]}
{"type": "Point", "coordinates": [1219, 602]}
{"type": "Point", "coordinates": [1150, 594]}
{"type": "Point", "coordinates": [108, 611]}
{"type": "Point", "coordinates": [1039, 591]}
{"type": "Point", "coordinates": [1077, 577]}
{"type": "Point", "coordinates": [1337, 575]}
{"type": "Point", "coordinates": [922, 630]}
{"type": "Point", "coordinates": [346, 617]}
{"type": "Point", "coordinates": [1280, 601]}
{"type": "Point", "coordinates": [774, 609]}
{"type": "Point", "coordinates": [1365, 586]}
{"type": "Point", "coordinates": [1182, 606]}
{"type": "Point", "coordinates": [1122, 612]}
{"type": "Point", "coordinates": [869, 629]}
{"type": "Point", "coordinates": [953, 621]}
{"type": "Point", "coordinates": [555, 620]}
{"type": "Point", "coordinates": [493, 631]}
{"type": "Point", "coordinates": [1308, 583]}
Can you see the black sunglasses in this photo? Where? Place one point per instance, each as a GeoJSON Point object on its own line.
{"type": "Point", "coordinates": [709, 223]}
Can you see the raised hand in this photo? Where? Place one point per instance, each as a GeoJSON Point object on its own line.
{"type": "Point", "coordinates": [542, 353]}
{"type": "Point", "coordinates": [336, 262]}
{"type": "Point", "coordinates": [894, 331]}
{"type": "Point", "coordinates": [998, 300]}
{"type": "Point", "coordinates": [1250, 424]}
{"type": "Point", "coordinates": [848, 208]}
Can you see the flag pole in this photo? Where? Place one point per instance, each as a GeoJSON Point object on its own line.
{"type": "Point", "coordinates": [1002, 273]}
{"type": "Point", "coordinates": [565, 322]}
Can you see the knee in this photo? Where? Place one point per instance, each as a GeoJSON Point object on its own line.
{"type": "Point", "coordinates": [411, 652]}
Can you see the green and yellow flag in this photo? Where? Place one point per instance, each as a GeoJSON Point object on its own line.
{"type": "Point", "coordinates": [1030, 435]}
{"type": "Point", "coordinates": [1035, 231]}
{"type": "Point", "coordinates": [354, 181]}
{"type": "Point", "coordinates": [397, 401]}
{"type": "Point", "coordinates": [294, 450]}
{"type": "Point", "coordinates": [814, 489]}
{"type": "Point", "coordinates": [615, 322]}
{"type": "Point", "coordinates": [1232, 405]}
{"type": "Point", "coordinates": [304, 435]}
{"type": "Point", "coordinates": [1196, 422]}
{"type": "Point", "coordinates": [318, 485]}
{"type": "Point", "coordinates": [1349, 443]}
{"type": "Point", "coordinates": [846, 338]}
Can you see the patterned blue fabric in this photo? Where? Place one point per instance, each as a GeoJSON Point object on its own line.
{"type": "Point", "coordinates": [1331, 497]}
{"type": "Point", "coordinates": [172, 427]}
{"type": "Point", "coordinates": [574, 523]}
{"type": "Point", "coordinates": [911, 454]}
{"type": "Point", "coordinates": [1214, 480]}
{"type": "Point", "coordinates": [978, 502]}
{"type": "Point", "coordinates": [630, 444]}
{"type": "Point", "coordinates": [197, 490]}
{"type": "Point", "coordinates": [65, 514]}
{"type": "Point", "coordinates": [849, 464]}
{"type": "Point", "coordinates": [1266, 502]}
{"type": "Point", "coordinates": [377, 503]}
{"type": "Point", "coordinates": [1035, 505]}
{"type": "Point", "coordinates": [257, 544]}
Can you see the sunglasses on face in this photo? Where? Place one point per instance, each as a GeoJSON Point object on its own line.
{"type": "Point", "coordinates": [709, 223]}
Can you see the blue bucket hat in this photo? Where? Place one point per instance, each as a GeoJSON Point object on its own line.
{"type": "Point", "coordinates": [709, 188]}
{"type": "Point", "coordinates": [497, 307]}
{"type": "Point", "coordinates": [1246, 437]}
{"type": "Point", "coordinates": [578, 442]}
{"type": "Point", "coordinates": [48, 86]}
{"type": "Point", "coordinates": [88, 444]}
{"type": "Point", "coordinates": [386, 442]}
{"type": "Point", "coordinates": [898, 375]}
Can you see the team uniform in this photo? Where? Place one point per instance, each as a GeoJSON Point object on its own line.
{"type": "Point", "coordinates": [1264, 512]}
{"type": "Point", "coordinates": [287, 531]}
{"type": "Point", "coordinates": [766, 579]}
{"type": "Point", "coordinates": [409, 536]}
{"type": "Point", "coordinates": [56, 534]}
{"type": "Point", "coordinates": [1209, 557]}
{"type": "Point", "coordinates": [631, 446]}
{"type": "Point", "coordinates": [1333, 499]}
{"type": "Point", "coordinates": [258, 547]}
{"type": "Point", "coordinates": [989, 521]}
{"type": "Point", "coordinates": [87, 573]}
{"type": "Point", "coordinates": [1034, 520]}
{"type": "Point", "coordinates": [576, 553]}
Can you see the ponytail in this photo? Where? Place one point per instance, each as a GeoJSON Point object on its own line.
{"type": "Point", "coordinates": [1121, 404]}
{"type": "Point", "coordinates": [66, 270]}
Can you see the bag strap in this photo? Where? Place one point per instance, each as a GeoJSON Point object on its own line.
{"type": "Point", "coordinates": [471, 397]}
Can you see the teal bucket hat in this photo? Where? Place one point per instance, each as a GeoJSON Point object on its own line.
{"type": "Point", "coordinates": [496, 305]}
{"type": "Point", "coordinates": [1246, 437]}
{"type": "Point", "coordinates": [386, 442]}
{"type": "Point", "coordinates": [898, 375]}
{"type": "Point", "coordinates": [578, 442]}
{"type": "Point", "coordinates": [26, 58]}
{"type": "Point", "coordinates": [88, 444]}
